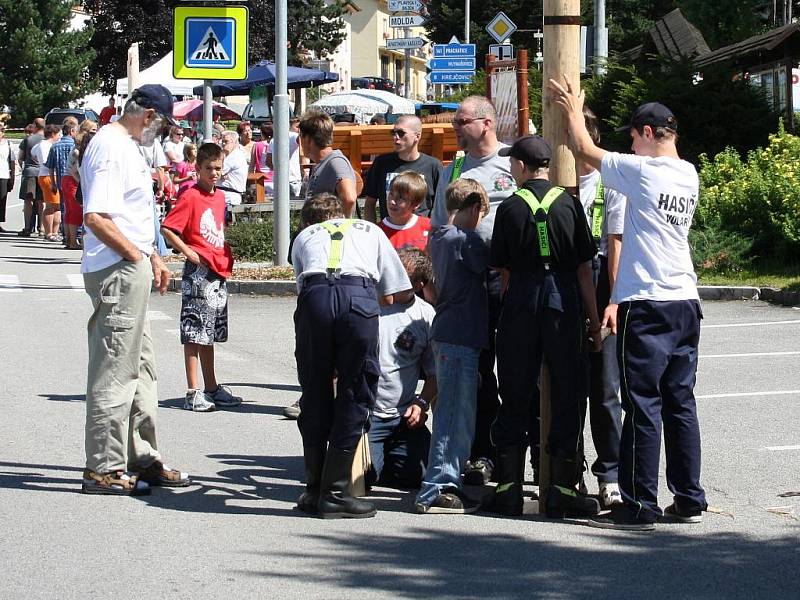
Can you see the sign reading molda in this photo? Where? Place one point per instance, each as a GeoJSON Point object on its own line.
{"type": "Point", "coordinates": [408, 21]}
{"type": "Point", "coordinates": [210, 42]}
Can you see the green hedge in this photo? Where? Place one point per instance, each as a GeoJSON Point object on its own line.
{"type": "Point", "coordinates": [253, 241]}
{"type": "Point", "coordinates": [756, 201]}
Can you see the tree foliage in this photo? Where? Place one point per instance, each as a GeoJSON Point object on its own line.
{"type": "Point", "coordinates": [713, 114]}
{"type": "Point", "coordinates": [44, 64]}
{"type": "Point", "coordinates": [312, 26]}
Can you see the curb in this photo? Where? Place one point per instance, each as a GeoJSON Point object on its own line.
{"type": "Point", "coordinates": [254, 288]}
{"type": "Point", "coordinates": [721, 293]}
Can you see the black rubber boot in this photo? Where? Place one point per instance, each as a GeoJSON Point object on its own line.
{"type": "Point", "coordinates": [506, 499]}
{"type": "Point", "coordinates": [335, 501]}
{"type": "Point", "coordinates": [314, 459]}
{"type": "Point", "coordinates": [563, 499]}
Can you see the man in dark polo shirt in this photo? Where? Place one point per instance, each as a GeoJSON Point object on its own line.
{"type": "Point", "coordinates": [406, 134]}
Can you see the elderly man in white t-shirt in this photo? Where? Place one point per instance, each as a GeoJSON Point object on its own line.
{"type": "Point", "coordinates": [119, 266]}
{"type": "Point", "coordinates": [655, 307]}
{"type": "Point", "coordinates": [234, 171]}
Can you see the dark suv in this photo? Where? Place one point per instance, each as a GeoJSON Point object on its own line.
{"type": "Point", "coordinates": [372, 83]}
{"type": "Point", "coordinates": [57, 115]}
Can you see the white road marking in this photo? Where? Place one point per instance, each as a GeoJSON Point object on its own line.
{"type": "Point", "coordinates": [755, 324]}
{"type": "Point", "coordinates": [157, 315]}
{"type": "Point", "coordinates": [172, 331]}
{"type": "Point", "coordinates": [9, 283]}
{"type": "Point", "coordinates": [748, 354]}
{"type": "Point", "coordinates": [745, 394]}
{"type": "Point", "coordinates": [76, 282]}
{"type": "Point", "coordinates": [779, 448]}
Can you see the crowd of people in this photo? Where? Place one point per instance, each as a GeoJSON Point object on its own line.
{"type": "Point", "coordinates": [449, 295]}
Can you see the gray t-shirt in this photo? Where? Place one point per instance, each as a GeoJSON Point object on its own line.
{"type": "Point", "coordinates": [328, 172]}
{"type": "Point", "coordinates": [493, 172]}
{"type": "Point", "coordinates": [405, 354]}
{"type": "Point", "coordinates": [460, 259]}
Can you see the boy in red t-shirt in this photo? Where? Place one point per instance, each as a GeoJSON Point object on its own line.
{"type": "Point", "coordinates": [402, 226]}
{"type": "Point", "coordinates": [195, 227]}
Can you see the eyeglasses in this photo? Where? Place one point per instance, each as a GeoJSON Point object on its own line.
{"type": "Point", "coordinates": [399, 133]}
{"type": "Point", "coordinates": [466, 121]}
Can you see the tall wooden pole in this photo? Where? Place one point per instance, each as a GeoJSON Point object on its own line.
{"type": "Point", "coordinates": [562, 36]}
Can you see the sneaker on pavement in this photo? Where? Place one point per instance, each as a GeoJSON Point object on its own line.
{"type": "Point", "coordinates": [674, 513]}
{"type": "Point", "coordinates": [622, 518]}
{"type": "Point", "coordinates": [451, 502]}
{"type": "Point", "coordinates": [197, 401]}
{"type": "Point", "coordinates": [223, 397]}
{"type": "Point", "coordinates": [292, 411]}
{"type": "Point", "coordinates": [609, 494]}
{"type": "Point", "coordinates": [478, 472]}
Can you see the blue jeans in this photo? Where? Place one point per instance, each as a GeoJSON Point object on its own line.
{"type": "Point", "coordinates": [453, 419]}
{"type": "Point", "coordinates": [399, 454]}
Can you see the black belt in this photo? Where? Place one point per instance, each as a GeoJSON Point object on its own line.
{"type": "Point", "coordinates": [324, 278]}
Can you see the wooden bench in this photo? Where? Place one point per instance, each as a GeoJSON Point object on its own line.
{"type": "Point", "coordinates": [361, 143]}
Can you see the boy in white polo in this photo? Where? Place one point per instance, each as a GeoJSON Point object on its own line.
{"type": "Point", "coordinates": [656, 308]}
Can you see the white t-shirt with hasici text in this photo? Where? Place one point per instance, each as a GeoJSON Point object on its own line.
{"type": "Point", "coordinates": [655, 262]}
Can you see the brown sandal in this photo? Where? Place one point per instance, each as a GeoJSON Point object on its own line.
{"type": "Point", "coordinates": [160, 474]}
{"type": "Point", "coordinates": [116, 483]}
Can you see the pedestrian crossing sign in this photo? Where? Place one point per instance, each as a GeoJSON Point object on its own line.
{"type": "Point", "coordinates": [210, 42]}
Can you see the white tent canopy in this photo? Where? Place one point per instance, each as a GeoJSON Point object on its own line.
{"type": "Point", "coordinates": [161, 72]}
{"type": "Point", "coordinates": [365, 104]}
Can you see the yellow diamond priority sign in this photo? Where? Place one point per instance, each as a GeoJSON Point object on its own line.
{"type": "Point", "coordinates": [501, 27]}
{"type": "Point", "coordinates": [209, 42]}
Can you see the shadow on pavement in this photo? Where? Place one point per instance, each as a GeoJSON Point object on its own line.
{"type": "Point", "coordinates": [64, 397]}
{"type": "Point", "coordinates": [433, 563]}
{"type": "Point", "coordinates": [245, 407]}
{"type": "Point", "coordinates": [281, 387]}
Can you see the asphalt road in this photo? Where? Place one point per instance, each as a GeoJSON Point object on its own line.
{"type": "Point", "coordinates": [235, 534]}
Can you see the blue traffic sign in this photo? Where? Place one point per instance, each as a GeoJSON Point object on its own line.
{"type": "Point", "coordinates": [210, 42]}
{"type": "Point", "coordinates": [454, 50]}
{"type": "Point", "coordinates": [454, 77]}
{"type": "Point", "coordinates": [452, 64]}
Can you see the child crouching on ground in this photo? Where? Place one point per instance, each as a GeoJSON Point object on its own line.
{"type": "Point", "coordinates": [195, 227]}
{"type": "Point", "coordinates": [460, 329]}
{"type": "Point", "coordinates": [399, 441]}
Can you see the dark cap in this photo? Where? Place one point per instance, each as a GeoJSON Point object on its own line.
{"type": "Point", "coordinates": [533, 150]}
{"type": "Point", "coordinates": [653, 114]}
{"type": "Point", "coordinates": [157, 97]}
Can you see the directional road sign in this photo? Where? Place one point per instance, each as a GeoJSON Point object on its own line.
{"type": "Point", "coordinates": [403, 43]}
{"type": "Point", "coordinates": [405, 6]}
{"type": "Point", "coordinates": [454, 50]}
{"type": "Point", "coordinates": [451, 77]}
{"type": "Point", "coordinates": [501, 27]}
{"type": "Point", "coordinates": [407, 21]}
{"type": "Point", "coordinates": [210, 42]}
{"type": "Point", "coordinates": [451, 64]}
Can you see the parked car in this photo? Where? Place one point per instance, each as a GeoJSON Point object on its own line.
{"type": "Point", "coordinates": [57, 115]}
{"type": "Point", "coordinates": [372, 83]}
{"type": "Point", "coordinates": [257, 116]}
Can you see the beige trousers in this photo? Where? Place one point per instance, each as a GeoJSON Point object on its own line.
{"type": "Point", "coordinates": [121, 396]}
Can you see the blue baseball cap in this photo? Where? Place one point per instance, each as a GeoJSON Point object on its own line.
{"type": "Point", "coordinates": [157, 97]}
